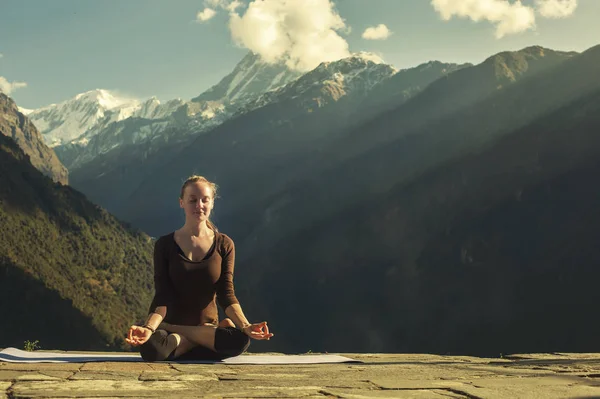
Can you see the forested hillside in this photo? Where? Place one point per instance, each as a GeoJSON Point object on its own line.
{"type": "Point", "coordinates": [73, 277]}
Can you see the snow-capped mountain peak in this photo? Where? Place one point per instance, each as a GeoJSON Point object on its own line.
{"type": "Point", "coordinates": [25, 111]}
{"type": "Point", "coordinates": [251, 77]}
{"type": "Point", "coordinates": [83, 116]}
{"type": "Point", "coordinates": [352, 64]}
{"type": "Point", "coordinates": [152, 108]}
{"type": "Point", "coordinates": [63, 122]}
{"type": "Point", "coordinates": [330, 81]}
{"type": "Point", "coordinates": [104, 98]}
{"type": "Point", "coordinates": [367, 57]}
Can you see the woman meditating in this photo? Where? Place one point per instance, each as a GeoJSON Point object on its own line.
{"type": "Point", "coordinates": [193, 269]}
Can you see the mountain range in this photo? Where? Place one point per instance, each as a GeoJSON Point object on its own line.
{"type": "Point", "coordinates": [286, 142]}
{"type": "Point", "coordinates": [96, 122]}
{"type": "Point", "coordinates": [443, 208]}
{"type": "Point", "coordinates": [310, 109]}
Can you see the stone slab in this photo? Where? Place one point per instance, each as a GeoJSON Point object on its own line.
{"type": "Point", "coordinates": [264, 391]}
{"type": "Point", "coordinates": [14, 375]}
{"type": "Point", "coordinates": [37, 377]}
{"type": "Point", "coordinates": [404, 394]}
{"type": "Point", "coordinates": [557, 392]}
{"type": "Point", "coordinates": [10, 375]}
{"type": "Point", "coordinates": [116, 366]}
{"type": "Point", "coordinates": [105, 375]}
{"type": "Point", "coordinates": [4, 385]}
{"type": "Point", "coordinates": [41, 366]}
{"type": "Point", "coordinates": [94, 388]}
{"type": "Point", "coordinates": [502, 387]}
{"type": "Point", "coordinates": [202, 368]}
{"type": "Point", "coordinates": [254, 376]}
{"type": "Point", "coordinates": [176, 376]}
{"type": "Point", "coordinates": [401, 384]}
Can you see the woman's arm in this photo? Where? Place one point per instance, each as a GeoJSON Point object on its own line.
{"type": "Point", "coordinates": [155, 318]}
{"type": "Point", "coordinates": [137, 335]}
{"type": "Point", "coordinates": [253, 330]}
{"type": "Point", "coordinates": [225, 290]}
{"type": "Point", "coordinates": [236, 315]}
{"type": "Point", "coordinates": [229, 302]}
{"type": "Point", "coordinates": [164, 293]}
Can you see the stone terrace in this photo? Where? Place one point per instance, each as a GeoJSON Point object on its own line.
{"type": "Point", "coordinates": [558, 375]}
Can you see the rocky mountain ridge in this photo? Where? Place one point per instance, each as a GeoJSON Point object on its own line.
{"type": "Point", "coordinates": [19, 127]}
{"type": "Point", "coordinates": [251, 76]}
{"type": "Point", "coordinates": [329, 82]}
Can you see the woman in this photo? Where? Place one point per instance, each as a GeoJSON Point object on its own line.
{"type": "Point", "coordinates": [193, 270]}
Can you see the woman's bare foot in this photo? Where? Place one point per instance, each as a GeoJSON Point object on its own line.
{"type": "Point", "coordinates": [198, 335]}
{"type": "Point", "coordinates": [226, 323]}
{"type": "Point", "coordinates": [177, 337]}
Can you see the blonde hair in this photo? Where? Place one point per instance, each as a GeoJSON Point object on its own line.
{"type": "Point", "coordinates": [195, 179]}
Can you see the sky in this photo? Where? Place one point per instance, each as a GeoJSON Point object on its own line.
{"type": "Point", "coordinates": [52, 50]}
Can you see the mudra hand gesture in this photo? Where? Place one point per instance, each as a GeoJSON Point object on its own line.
{"type": "Point", "coordinates": [258, 331]}
{"type": "Point", "coordinates": [138, 335]}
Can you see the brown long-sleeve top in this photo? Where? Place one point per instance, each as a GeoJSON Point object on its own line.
{"type": "Point", "coordinates": [188, 289]}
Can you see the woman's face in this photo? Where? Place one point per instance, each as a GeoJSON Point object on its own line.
{"type": "Point", "coordinates": [197, 201]}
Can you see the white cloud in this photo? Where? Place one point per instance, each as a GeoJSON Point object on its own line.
{"type": "Point", "coordinates": [205, 15]}
{"type": "Point", "coordinates": [556, 8]}
{"type": "Point", "coordinates": [212, 5]}
{"type": "Point", "coordinates": [1, 55]}
{"type": "Point", "coordinates": [234, 5]}
{"type": "Point", "coordinates": [509, 18]}
{"type": "Point", "coordinates": [8, 87]}
{"type": "Point", "coordinates": [300, 33]}
{"type": "Point", "coordinates": [379, 32]}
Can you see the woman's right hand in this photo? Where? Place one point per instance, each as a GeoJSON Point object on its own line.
{"type": "Point", "coordinates": [258, 331]}
{"type": "Point", "coordinates": [138, 335]}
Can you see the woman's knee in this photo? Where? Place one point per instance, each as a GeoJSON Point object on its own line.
{"type": "Point", "coordinates": [230, 341]}
{"type": "Point", "coordinates": [159, 347]}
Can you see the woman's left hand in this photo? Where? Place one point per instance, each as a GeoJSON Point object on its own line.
{"type": "Point", "coordinates": [138, 335]}
{"type": "Point", "coordinates": [258, 331]}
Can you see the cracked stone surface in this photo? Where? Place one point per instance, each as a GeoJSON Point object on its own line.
{"type": "Point", "coordinates": [3, 388]}
{"type": "Point", "coordinates": [555, 375]}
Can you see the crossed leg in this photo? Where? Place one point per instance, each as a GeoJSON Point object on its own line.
{"type": "Point", "coordinates": [210, 341]}
{"type": "Point", "coordinates": [187, 337]}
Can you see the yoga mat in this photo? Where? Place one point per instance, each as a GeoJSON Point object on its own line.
{"type": "Point", "coordinates": [14, 355]}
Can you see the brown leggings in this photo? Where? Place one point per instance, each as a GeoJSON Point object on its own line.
{"type": "Point", "coordinates": [229, 342]}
